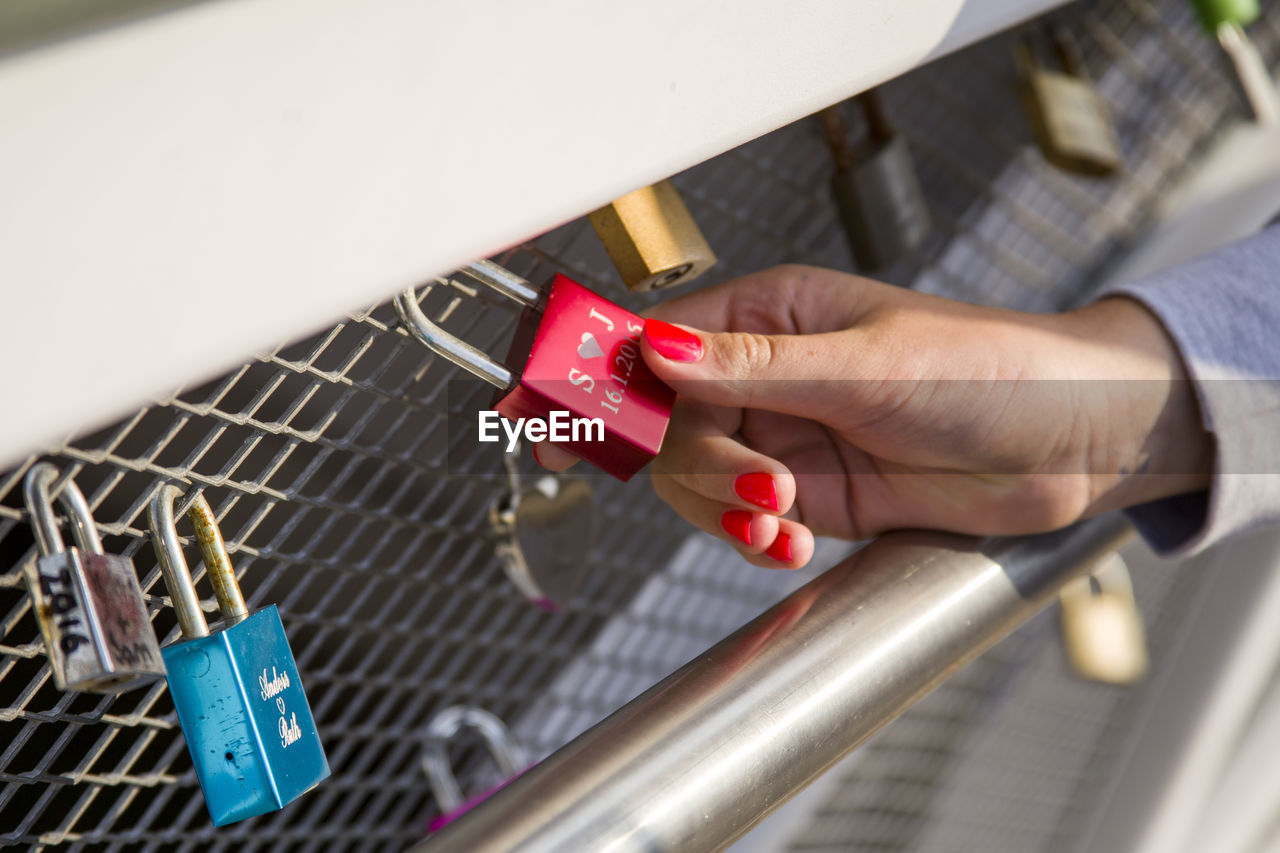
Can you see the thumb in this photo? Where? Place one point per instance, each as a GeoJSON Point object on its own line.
{"type": "Point", "coordinates": [791, 374]}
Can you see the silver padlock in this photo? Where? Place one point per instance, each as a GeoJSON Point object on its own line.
{"type": "Point", "coordinates": [878, 195]}
{"type": "Point", "coordinates": [441, 731]}
{"type": "Point", "coordinates": [545, 533]}
{"type": "Point", "coordinates": [1102, 629]}
{"type": "Point", "coordinates": [88, 604]}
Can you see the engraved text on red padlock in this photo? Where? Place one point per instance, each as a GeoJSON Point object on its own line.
{"type": "Point", "coordinates": [581, 354]}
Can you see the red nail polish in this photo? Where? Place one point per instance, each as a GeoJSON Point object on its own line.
{"type": "Point", "coordinates": [780, 550]}
{"type": "Point", "coordinates": [672, 342]}
{"type": "Point", "coordinates": [757, 489]}
{"type": "Point", "coordinates": [737, 523]}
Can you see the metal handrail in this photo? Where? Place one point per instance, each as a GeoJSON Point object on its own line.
{"type": "Point", "coordinates": [704, 755]}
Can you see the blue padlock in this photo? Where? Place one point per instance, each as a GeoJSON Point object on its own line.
{"type": "Point", "coordinates": [236, 687]}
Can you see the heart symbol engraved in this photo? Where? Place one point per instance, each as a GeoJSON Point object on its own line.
{"type": "Point", "coordinates": [590, 347]}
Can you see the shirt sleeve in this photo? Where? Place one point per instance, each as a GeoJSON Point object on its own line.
{"type": "Point", "coordinates": [1222, 311]}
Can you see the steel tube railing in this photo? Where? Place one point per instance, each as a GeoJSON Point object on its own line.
{"type": "Point", "coordinates": [705, 754]}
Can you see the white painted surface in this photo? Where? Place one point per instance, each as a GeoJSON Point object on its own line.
{"type": "Point", "coordinates": [178, 193]}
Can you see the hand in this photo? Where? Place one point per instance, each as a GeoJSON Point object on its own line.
{"type": "Point", "coordinates": [817, 402]}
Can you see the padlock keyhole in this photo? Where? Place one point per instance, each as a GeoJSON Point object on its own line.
{"type": "Point", "coordinates": [674, 275]}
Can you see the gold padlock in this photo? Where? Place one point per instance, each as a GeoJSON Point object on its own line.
{"type": "Point", "coordinates": [1102, 630]}
{"type": "Point", "coordinates": [652, 239]}
{"type": "Point", "coordinates": [1068, 116]}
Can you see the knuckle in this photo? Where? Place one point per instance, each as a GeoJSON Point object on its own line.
{"type": "Point", "coordinates": [775, 286]}
{"type": "Point", "coordinates": [753, 355]}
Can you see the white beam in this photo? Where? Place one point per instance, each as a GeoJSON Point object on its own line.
{"type": "Point", "coordinates": [182, 191]}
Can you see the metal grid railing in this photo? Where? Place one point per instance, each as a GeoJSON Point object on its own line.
{"type": "Point", "coordinates": [324, 465]}
{"type": "Point", "coordinates": [345, 500]}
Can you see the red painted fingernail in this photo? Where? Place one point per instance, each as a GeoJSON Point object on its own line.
{"type": "Point", "coordinates": [672, 342]}
{"type": "Point", "coordinates": [737, 523]}
{"type": "Point", "coordinates": [780, 550]}
{"type": "Point", "coordinates": [757, 489]}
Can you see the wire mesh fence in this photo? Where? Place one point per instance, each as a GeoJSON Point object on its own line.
{"type": "Point", "coordinates": [346, 500]}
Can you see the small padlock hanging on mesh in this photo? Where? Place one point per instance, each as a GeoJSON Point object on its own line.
{"type": "Point", "coordinates": [1102, 629]}
{"type": "Point", "coordinates": [1068, 117]}
{"type": "Point", "coordinates": [574, 363]}
{"type": "Point", "coordinates": [878, 196]}
{"type": "Point", "coordinates": [88, 604]}
{"type": "Point", "coordinates": [443, 729]}
{"type": "Point", "coordinates": [545, 532]}
{"type": "Point", "coordinates": [236, 688]}
{"type": "Point", "coordinates": [652, 238]}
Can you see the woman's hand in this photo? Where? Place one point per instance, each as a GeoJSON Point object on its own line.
{"type": "Point", "coordinates": [817, 402]}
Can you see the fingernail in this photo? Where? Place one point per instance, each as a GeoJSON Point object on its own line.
{"type": "Point", "coordinates": [672, 342]}
{"type": "Point", "coordinates": [757, 489]}
{"type": "Point", "coordinates": [780, 550]}
{"type": "Point", "coordinates": [737, 523]}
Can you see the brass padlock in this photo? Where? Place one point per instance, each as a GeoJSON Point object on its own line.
{"type": "Point", "coordinates": [652, 238]}
{"type": "Point", "coordinates": [1102, 629]}
{"type": "Point", "coordinates": [1071, 123]}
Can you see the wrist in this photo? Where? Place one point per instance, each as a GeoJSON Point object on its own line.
{"type": "Point", "coordinates": [1144, 433]}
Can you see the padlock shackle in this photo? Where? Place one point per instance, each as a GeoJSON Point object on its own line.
{"type": "Point", "coordinates": [1067, 50]}
{"type": "Point", "coordinates": [1025, 55]}
{"type": "Point", "coordinates": [1109, 576]}
{"type": "Point", "coordinates": [1062, 46]}
{"type": "Point", "coordinates": [44, 524]}
{"type": "Point", "coordinates": [173, 564]}
{"type": "Point", "coordinates": [443, 728]}
{"type": "Point", "coordinates": [503, 280]}
{"type": "Point", "coordinates": [879, 130]}
{"type": "Point", "coordinates": [837, 139]}
{"type": "Point", "coordinates": [450, 347]}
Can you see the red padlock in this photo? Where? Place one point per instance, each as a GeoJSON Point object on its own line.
{"type": "Point", "coordinates": [575, 353]}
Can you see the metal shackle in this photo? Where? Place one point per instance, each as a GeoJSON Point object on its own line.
{"type": "Point", "coordinates": [35, 492]}
{"type": "Point", "coordinates": [173, 565]}
{"type": "Point", "coordinates": [1109, 576]}
{"type": "Point", "coordinates": [450, 347]}
{"type": "Point", "coordinates": [443, 728]}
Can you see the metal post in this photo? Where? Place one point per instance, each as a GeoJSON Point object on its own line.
{"type": "Point", "coordinates": [708, 752]}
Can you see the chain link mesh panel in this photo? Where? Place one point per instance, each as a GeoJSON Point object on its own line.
{"type": "Point", "coordinates": [346, 499]}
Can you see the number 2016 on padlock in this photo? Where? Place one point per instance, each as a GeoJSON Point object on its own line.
{"type": "Point", "coordinates": [88, 603]}
{"type": "Point", "coordinates": [573, 351]}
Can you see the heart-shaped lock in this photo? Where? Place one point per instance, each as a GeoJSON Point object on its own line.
{"type": "Point", "coordinates": [545, 533]}
{"type": "Point", "coordinates": [1102, 628]}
